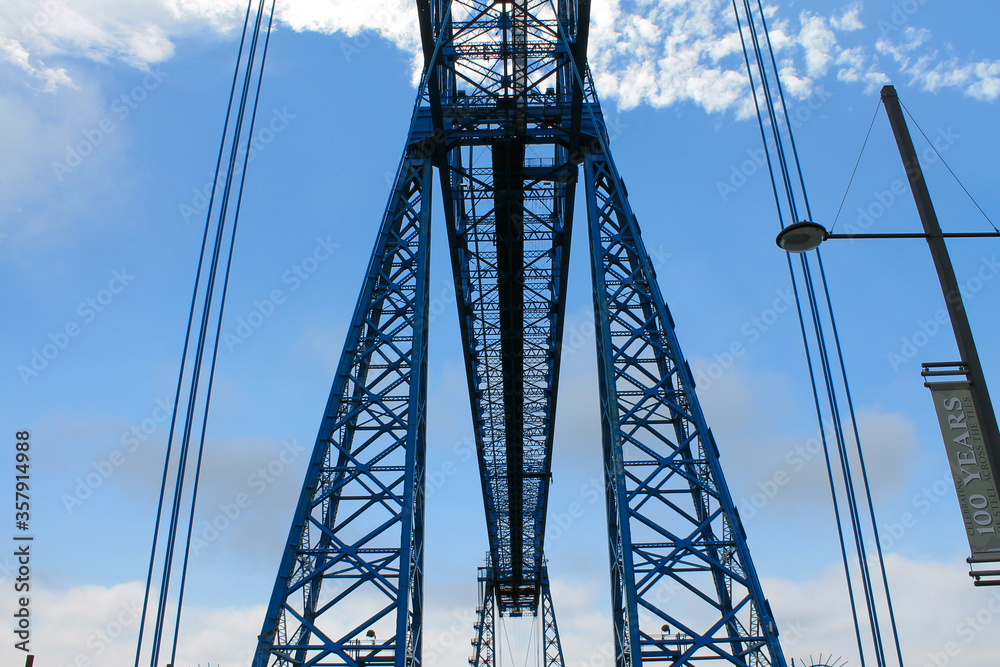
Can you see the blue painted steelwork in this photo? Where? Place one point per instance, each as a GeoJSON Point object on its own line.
{"type": "Point", "coordinates": [507, 113]}
{"type": "Point", "coordinates": [498, 114]}
{"type": "Point", "coordinates": [679, 558]}
{"type": "Point", "coordinates": [354, 556]}
{"type": "Point", "coordinates": [552, 654]}
{"type": "Point", "coordinates": [484, 645]}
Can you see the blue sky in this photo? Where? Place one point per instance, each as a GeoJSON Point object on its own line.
{"type": "Point", "coordinates": [98, 254]}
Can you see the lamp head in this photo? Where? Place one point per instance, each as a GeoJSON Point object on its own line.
{"type": "Point", "coordinates": [801, 236]}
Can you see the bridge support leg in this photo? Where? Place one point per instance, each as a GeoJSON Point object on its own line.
{"type": "Point", "coordinates": [349, 587]}
{"type": "Point", "coordinates": [552, 654]}
{"type": "Point", "coordinates": [683, 586]}
{"type": "Point", "coordinates": [484, 645]}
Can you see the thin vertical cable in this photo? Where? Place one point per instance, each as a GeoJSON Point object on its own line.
{"type": "Point", "coordinates": [187, 340]}
{"type": "Point", "coordinates": [218, 334]}
{"type": "Point", "coordinates": [212, 306]}
{"type": "Point", "coordinates": [781, 131]}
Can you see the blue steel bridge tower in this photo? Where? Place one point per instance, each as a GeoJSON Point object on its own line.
{"type": "Point", "coordinates": [507, 115]}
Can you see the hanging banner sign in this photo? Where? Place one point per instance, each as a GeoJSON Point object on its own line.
{"type": "Point", "coordinates": [974, 479]}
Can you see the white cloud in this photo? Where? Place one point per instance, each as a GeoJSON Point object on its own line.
{"type": "Point", "coordinates": [934, 602]}
{"type": "Point", "coordinates": [136, 33]}
{"type": "Point", "coordinates": [98, 625]}
{"type": "Point", "coordinates": [927, 70]}
{"type": "Point", "coordinates": [849, 20]}
{"type": "Point", "coordinates": [49, 77]}
{"type": "Point", "coordinates": [818, 41]}
{"type": "Point", "coordinates": [938, 612]}
{"type": "Point", "coordinates": [655, 52]}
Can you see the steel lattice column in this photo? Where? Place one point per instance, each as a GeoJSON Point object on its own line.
{"type": "Point", "coordinates": [552, 654]}
{"type": "Point", "coordinates": [353, 560]}
{"type": "Point", "coordinates": [484, 644]}
{"type": "Point", "coordinates": [683, 586]}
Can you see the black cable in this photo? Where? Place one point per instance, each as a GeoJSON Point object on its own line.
{"type": "Point", "coordinates": [822, 357]}
{"type": "Point", "coordinates": [218, 329]}
{"type": "Point", "coordinates": [187, 339]}
{"type": "Point", "coordinates": [203, 338]}
{"type": "Point", "coordinates": [870, 126]}
{"type": "Point", "coordinates": [941, 157]}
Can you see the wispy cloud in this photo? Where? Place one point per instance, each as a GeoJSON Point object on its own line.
{"type": "Point", "coordinates": [926, 68]}
{"type": "Point", "coordinates": [48, 78]}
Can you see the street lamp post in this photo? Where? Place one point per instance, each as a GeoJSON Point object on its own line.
{"type": "Point", "coordinates": [981, 511]}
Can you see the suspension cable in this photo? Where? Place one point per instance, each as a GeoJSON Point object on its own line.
{"type": "Point", "coordinates": [948, 167]}
{"type": "Point", "coordinates": [218, 331]}
{"type": "Point", "coordinates": [195, 410]}
{"type": "Point", "coordinates": [184, 353]}
{"type": "Point", "coordinates": [818, 350]}
{"type": "Point", "coordinates": [858, 162]}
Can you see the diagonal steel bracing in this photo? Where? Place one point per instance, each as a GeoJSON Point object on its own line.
{"type": "Point", "coordinates": [499, 114]}
{"type": "Point", "coordinates": [353, 560]}
{"type": "Point", "coordinates": [684, 589]}
{"type": "Point", "coordinates": [485, 648]}
{"type": "Point", "coordinates": [552, 653]}
{"type": "Point", "coordinates": [507, 113]}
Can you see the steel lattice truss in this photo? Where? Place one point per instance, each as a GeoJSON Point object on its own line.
{"type": "Point", "coordinates": [676, 558]}
{"type": "Point", "coordinates": [552, 653]}
{"type": "Point", "coordinates": [357, 537]}
{"type": "Point", "coordinates": [506, 113]}
{"type": "Point", "coordinates": [487, 616]}
{"type": "Point", "coordinates": [484, 646]}
{"type": "Point", "coordinates": [501, 98]}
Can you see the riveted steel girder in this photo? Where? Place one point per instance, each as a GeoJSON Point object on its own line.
{"type": "Point", "coordinates": [499, 121]}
